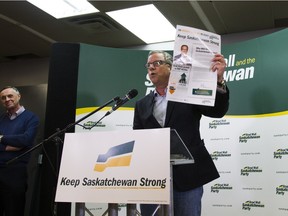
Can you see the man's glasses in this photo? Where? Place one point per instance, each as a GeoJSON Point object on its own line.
{"type": "Point", "coordinates": [155, 63]}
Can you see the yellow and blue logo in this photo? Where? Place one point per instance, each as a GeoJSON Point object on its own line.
{"type": "Point", "coordinates": [116, 156]}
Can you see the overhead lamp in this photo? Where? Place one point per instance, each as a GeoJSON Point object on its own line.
{"type": "Point", "coordinates": [64, 8]}
{"type": "Point", "coordinates": [146, 22]}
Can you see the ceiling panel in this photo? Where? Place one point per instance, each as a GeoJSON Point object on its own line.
{"type": "Point", "coordinates": [27, 31]}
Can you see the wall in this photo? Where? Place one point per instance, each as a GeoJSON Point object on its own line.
{"type": "Point", "coordinates": [24, 72]}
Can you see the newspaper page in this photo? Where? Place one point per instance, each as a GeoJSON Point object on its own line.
{"type": "Point", "coordinates": [191, 79]}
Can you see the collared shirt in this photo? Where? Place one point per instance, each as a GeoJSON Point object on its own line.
{"type": "Point", "coordinates": [160, 106]}
{"type": "Point", "coordinates": [18, 112]}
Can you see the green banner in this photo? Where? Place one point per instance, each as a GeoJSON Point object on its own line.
{"type": "Point", "coordinates": [255, 74]}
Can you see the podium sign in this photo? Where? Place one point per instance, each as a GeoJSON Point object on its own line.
{"type": "Point", "coordinates": [130, 166]}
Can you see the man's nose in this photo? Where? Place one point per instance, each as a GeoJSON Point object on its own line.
{"type": "Point", "coordinates": [151, 67]}
{"type": "Point", "coordinates": [151, 71]}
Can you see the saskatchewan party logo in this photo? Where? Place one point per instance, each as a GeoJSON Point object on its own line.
{"type": "Point", "coordinates": [215, 123]}
{"type": "Point", "coordinates": [281, 189]}
{"type": "Point", "coordinates": [90, 124]}
{"type": "Point", "coordinates": [248, 136]}
{"type": "Point", "coordinates": [248, 205]}
{"type": "Point", "coordinates": [250, 169]}
{"type": "Point", "coordinates": [216, 154]}
{"type": "Point", "coordinates": [280, 152]}
{"type": "Point", "coordinates": [216, 188]}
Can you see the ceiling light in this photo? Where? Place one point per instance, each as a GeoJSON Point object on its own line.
{"type": "Point", "coordinates": [64, 8]}
{"type": "Point", "coordinates": [146, 22]}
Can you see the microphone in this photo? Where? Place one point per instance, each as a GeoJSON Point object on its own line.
{"type": "Point", "coordinates": [130, 95]}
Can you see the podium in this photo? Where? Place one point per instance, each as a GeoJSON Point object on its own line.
{"type": "Point", "coordinates": [179, 155]}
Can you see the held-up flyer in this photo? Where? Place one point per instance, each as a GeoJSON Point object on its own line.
{"type": "Point", "coordinates": [191, 79]}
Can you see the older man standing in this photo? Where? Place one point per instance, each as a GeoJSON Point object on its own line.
{"type": "Point", "coordinates": [18, 129]}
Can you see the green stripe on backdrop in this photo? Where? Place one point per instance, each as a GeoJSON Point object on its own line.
{"type": "Point", "coordinates": [257, 74]}
{"type": "Point", "coordinates": [258, 79]}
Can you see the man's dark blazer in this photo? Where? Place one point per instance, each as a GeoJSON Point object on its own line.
{"type": "Point", "coordinates": [185, 118]}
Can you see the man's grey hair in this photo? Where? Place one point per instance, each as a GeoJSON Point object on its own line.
{"type": "Point", "coordinates": [12, 87]}
{"type": "Point", "coordinates": [167, 56]}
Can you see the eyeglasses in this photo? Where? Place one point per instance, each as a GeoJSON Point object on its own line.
{"type": "Point", "coordinates": [155, 63]}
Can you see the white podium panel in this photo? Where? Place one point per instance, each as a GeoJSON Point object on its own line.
{"type": "Point", "coordinates": [115, 167]}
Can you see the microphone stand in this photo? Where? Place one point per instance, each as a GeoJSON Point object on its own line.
{"type": "Point", "coordinates": [59, 132]}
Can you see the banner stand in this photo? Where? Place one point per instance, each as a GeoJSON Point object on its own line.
{"type": "Point", "coordinates": [112, 209]}
{"type": "Point", "coordinates": [80, 209]}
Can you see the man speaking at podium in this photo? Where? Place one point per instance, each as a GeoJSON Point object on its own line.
{"type": "Point", "coordinates": [154, 111]}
